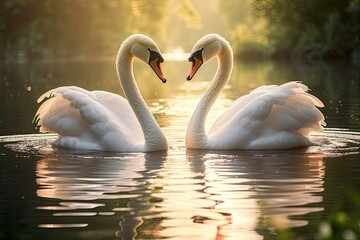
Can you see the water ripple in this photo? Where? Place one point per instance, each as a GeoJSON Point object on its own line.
{"type": "Point", "coordinates": [215, 194]}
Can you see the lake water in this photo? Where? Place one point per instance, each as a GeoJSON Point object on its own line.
{"type": "Point", "coordinates": [48, 193]}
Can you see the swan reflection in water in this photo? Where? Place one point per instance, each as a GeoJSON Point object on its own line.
{"type": "Point", "coordinates": [198, 194]}
{"type": "Point", "coordinates": [260, 190]}
{"type": "Point", "coordinates": [239, 194]}
{"type": "Point", "coordinates": [101, 191]}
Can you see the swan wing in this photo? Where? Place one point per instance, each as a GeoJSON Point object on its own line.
{"type": "Point", "coordinates": [239, 104]}
{"type": "Point", "coordinates": [89, 120]}
{"type": "Point", "coordinates": [270, 117]}
{"type": "Point", "coordinates": [120, 108]}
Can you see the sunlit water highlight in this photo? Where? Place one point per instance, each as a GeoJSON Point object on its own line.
{"type": "Point", "coordinates": [178, 193]}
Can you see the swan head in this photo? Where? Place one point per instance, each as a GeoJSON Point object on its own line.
{"type": "Point", "coordinates": [146, 50]}
{"type": "Point", "coordinates": [204, 50]}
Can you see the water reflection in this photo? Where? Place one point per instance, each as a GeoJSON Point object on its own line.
{"type": "Point", "coordinates": [95, 187]}
{"type": "Point", "coordinates": [197, 194]}
{"type": "Point", "coordinates": [259, 190]}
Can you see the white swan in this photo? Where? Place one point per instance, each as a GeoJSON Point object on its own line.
{"type": "Point", "coordinates": [104, 121]}
{"type": "Point", "coordinates": [270, 117]}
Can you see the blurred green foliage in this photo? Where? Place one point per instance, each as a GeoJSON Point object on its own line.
{"type": "Point", "coordinates": [38, 29]}
{"type": "Point", "coordinates": [343, 222]}
{"type": "Point", "coordinates": [245, 30]}
{"type": "Point", "coordinates": [311, 28]}
{"type": "Point", "coordinates": [293, 28]}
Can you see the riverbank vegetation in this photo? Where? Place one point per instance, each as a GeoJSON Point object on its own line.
{"type": "Point", "coordinates": [311, 29]}
{"type": "Point", "coordinates": [37, 29]}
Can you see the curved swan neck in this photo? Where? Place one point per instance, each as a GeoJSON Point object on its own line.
{"type": "Point", "coordinates": [154, 138]}
{"type": "Point", "coordinates": [196, 135]}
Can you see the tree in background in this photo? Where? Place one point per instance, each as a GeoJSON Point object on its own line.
{"type": "Point", "coordinates": [39, 28]}
{"type": "Point", "coordinates": [245, 31]}
{"type": "Point", "coordinates": [311, 28]}
{"type": "Point", "coordinates": [291, 28]}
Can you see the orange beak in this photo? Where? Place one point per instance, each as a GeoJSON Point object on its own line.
{"type": "Point", "coordinates": [197, 60]}
{"type": "Point", "coordinates": [196, 64]}
{"type": "Point", "coordinates": [155, 65]}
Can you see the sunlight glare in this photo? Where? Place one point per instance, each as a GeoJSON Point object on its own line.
{"type": "Point", "coordinates": [176, 54]}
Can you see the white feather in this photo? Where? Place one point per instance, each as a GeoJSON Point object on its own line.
{"type": "Point", "coordinates": [269, 117]}
{"type": "Point", "coordinates": [104, 121]}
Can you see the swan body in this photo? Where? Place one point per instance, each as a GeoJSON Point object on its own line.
{"type": "Point", "coordinates": [269, 117]}
{"type": "Point", "coordinates": [103, 121]}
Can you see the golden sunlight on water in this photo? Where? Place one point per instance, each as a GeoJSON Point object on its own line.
{"type": "Point", "coordinates": [176, 54]}
{"type": "Point", "coordinates": [182, 193]}
{"type": "Point", "coordinates": [198, 194]}
{"type": "Point", "coordinates": [179, 193]}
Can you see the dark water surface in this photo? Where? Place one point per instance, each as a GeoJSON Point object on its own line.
{"type": "Point", "coordinates": [48, 193]}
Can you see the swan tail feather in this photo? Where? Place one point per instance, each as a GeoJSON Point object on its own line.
{"type": "Point", "coordinates": [300, 112]}
{"type": "Point", "coordinates": [88, 120]}
{"type": "Point", "coordinates": [58, 110]}
{"type": "Point", "coordinates": [284, 114]}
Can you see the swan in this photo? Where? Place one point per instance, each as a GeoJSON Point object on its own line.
{"type": "Point", "coordinates": [103, 121]}
{"type": "Point", "coordinates": [269, 117]}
